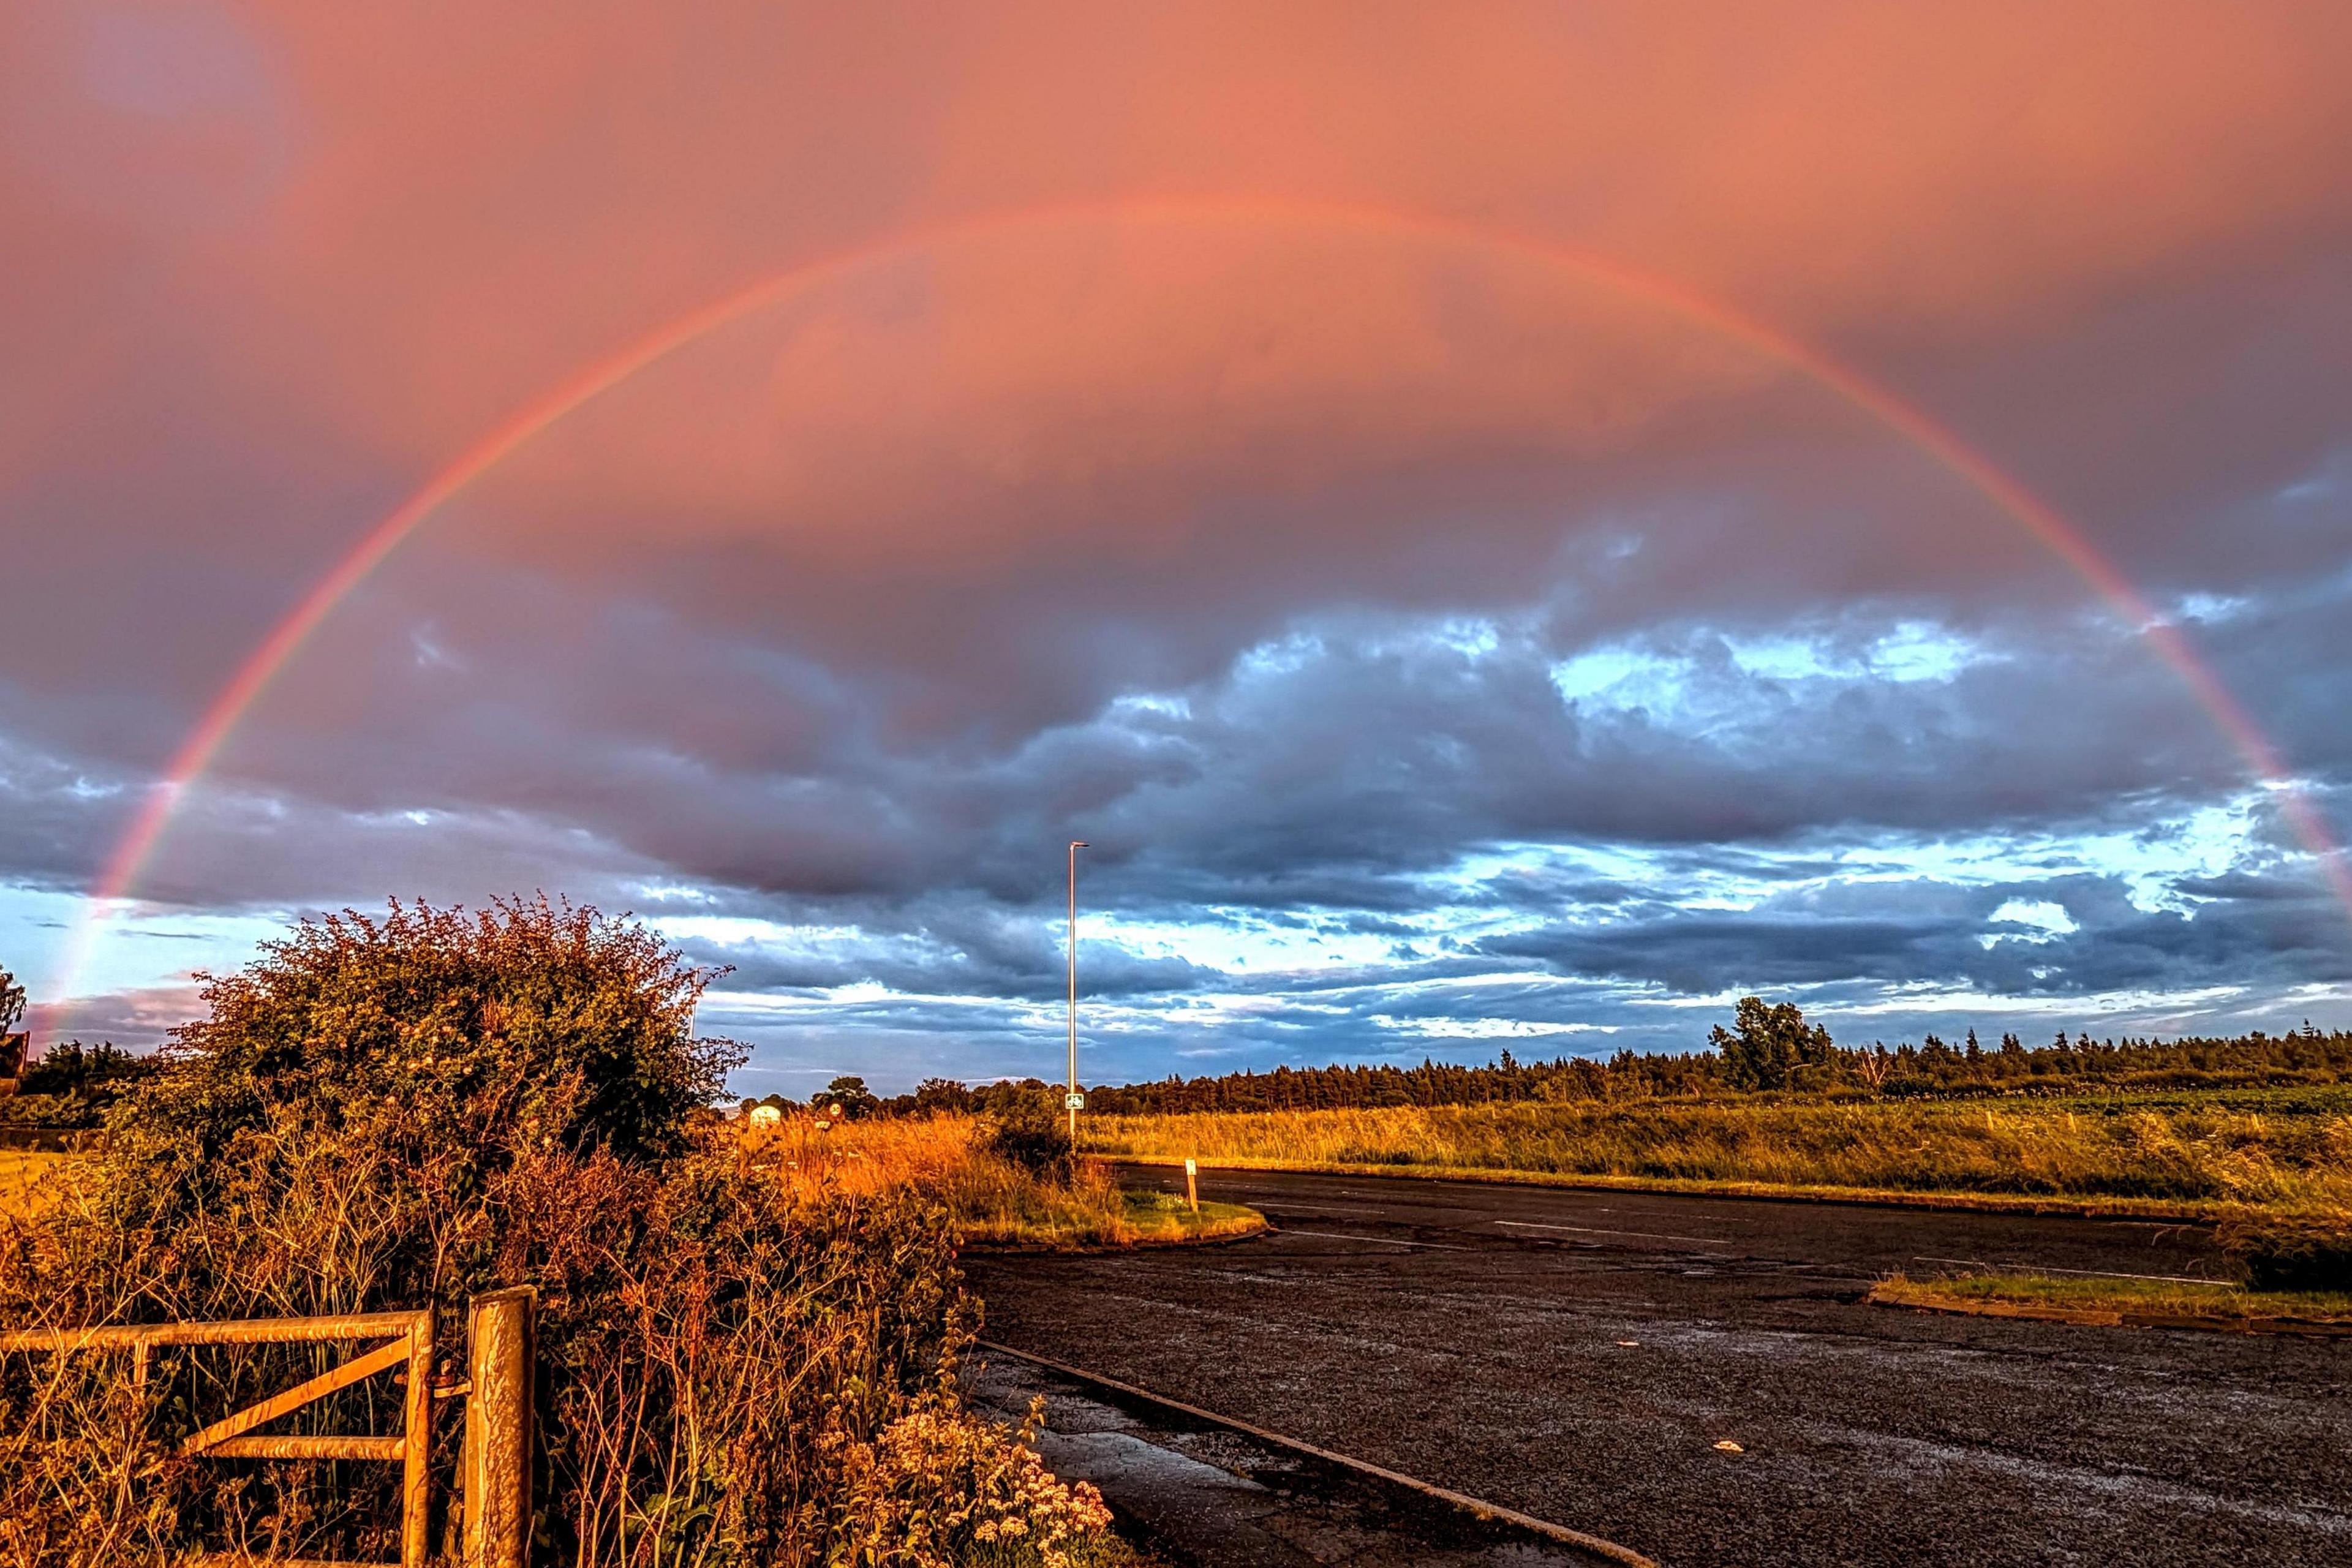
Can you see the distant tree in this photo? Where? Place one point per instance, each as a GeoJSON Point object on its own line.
{"type": "Point", "coordinates": [2252, 1059]}
{"type": "Point", "coordinates": [1971, 1049]}
{"type": "Point", "coordinates": [856, 1101]}
{"type": "Point", "coordinates": [1767, 1044]}
{"type": "Point", "coordinates": [938, 1096]}
{"type": "Point", "coordinates": [11, 1002]}
{"type": "Point", "coordinates": [86, 1072]}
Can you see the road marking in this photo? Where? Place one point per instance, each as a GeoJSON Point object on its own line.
{"type": "Point", "coordinates": [1379, 1240]}
{"type": "Point", "coordinates": [2052, 1268]}
{"type": "Point", "coordinates": [1598, 1230]}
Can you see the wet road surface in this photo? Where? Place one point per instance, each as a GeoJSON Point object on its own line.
{"type": "Point", "coordinates": [1200, 1496]}
{"type": "Point", "coordinates": [1578, 1354]}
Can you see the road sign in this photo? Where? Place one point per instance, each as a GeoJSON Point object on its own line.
{"type": "Point", "coordinates": [1073, 1102]}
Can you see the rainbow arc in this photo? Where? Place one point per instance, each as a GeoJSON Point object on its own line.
{"type": "Point", "coordinates": [2011, 499]}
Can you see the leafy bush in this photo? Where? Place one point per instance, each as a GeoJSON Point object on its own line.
{"type": "Point", "coordinates": [533, 1019]}
{"type": "Point", "coordinates": [1033, 1131]}
{"type": "Point", "coordinates": [384, 1113]}
{"type": "Point", "coordinates": [939, 1488]}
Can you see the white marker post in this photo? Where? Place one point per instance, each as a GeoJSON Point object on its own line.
{"type": "Point", "coordinates": [1191, 1184]}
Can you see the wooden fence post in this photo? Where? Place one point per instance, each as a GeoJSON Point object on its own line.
{"type": "Point", "coordinates": [500, 1329]}
{"type": "Point", "coordinates": [416, 1445]}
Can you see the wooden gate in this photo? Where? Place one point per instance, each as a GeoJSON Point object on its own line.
{"type": "Point", "coordinates": [497, 1484]}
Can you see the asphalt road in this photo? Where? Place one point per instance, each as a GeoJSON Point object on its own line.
{"type": "Point", "coordinates": [1201, 1496]}
{"type": "Point", "coordinates": [1579, 1355]}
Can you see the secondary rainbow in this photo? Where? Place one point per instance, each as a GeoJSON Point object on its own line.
{"type": "Point", "coordinates": [121, 871]}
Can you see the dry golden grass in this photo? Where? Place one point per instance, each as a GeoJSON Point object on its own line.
{"type": "Point", "coordinates": [860, 1159]}
{"type": "Point", "coordinates": [2186, 1155]}
{"type": "Point", "coordinates": [993, 1201]}
{"type": "Point", "coordinates": [2089, 1299]}
{"type": "Point", "coordinates": [23, 1174]}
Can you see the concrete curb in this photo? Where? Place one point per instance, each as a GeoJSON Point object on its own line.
{"type": "Point", "coordinates": [1476, 1507]}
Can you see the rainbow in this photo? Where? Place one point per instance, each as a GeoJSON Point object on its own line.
{"type": "Point", "coordinates": [1934, 440]}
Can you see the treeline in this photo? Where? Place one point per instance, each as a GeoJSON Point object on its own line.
{"type": "Point", "coordinates": [849, 1100]}
{"type": "Point", "coordinates": [71, 1085]}
{"type": "Point", "coordinates": [1932, 1067]}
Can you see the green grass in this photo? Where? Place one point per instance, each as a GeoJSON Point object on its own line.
{"type": "Point", "coordinates": [2175, 1153]}
{"type": "Point", "coordinates": [1159, 1218]}
{"type": "Point", "coordinates": [2116, 1299]}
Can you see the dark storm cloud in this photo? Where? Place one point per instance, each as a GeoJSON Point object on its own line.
{"type": "Point", "coordinates": [1917, 933]}
{"type": "Point", "coordinates": [961, 948]}
{"type": "Point", "coordinates": [1326, 770]}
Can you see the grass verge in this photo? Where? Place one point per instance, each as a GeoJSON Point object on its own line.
{"type": "Point", "coordinates": [2095, 1300]}
{"type": "Point", "coordinates": [1160, 1219]}
{"type": "Point", "coordinates": [995, 1200]}
{"type": "Point", "coordinates": [2199, 1156]}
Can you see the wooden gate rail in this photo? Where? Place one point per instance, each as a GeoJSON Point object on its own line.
{"type": "Point", "coordinates": [410, 1340]}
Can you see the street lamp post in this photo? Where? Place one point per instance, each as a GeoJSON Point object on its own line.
{"type": "Point", "coordinates": [1070, 1100]}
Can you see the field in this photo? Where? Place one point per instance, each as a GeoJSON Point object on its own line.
{"type": "Point", "coordinates": [2189, 1155]}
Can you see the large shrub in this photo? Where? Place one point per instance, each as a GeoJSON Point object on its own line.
{"type": "Point", "coordinates": [1032, 1129]}
{"type": "Point", "coordinates": [386, 1114]}
{"type": "Point", "coordinates": [530, 1021]}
